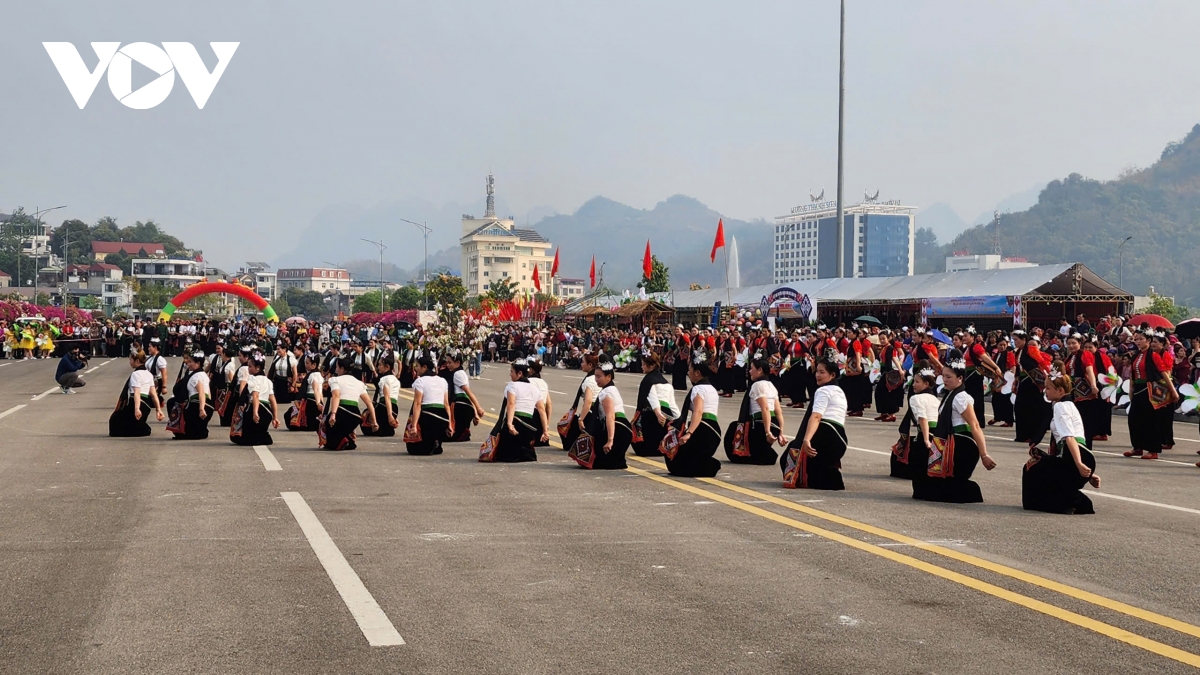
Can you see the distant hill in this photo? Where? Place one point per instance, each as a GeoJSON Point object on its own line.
{"type": "Point", "coordinates": [1078, 219]}
{"type": "Point", "coordinates": [680, 229]}
{"type": "Point", "coordinates": [942, 219]}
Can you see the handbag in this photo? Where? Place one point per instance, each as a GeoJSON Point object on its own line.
{"type": "Point", "coordinates": [238, 424]}
{"type": "Point", "coordinates": [893, 380]}
{"type": "Point", "coordinates": [176, 423]}
{"type": "Point", "coordinates": [1162, 394]}
{"type": "Point", "coordinates": [795, 468]}
{"type": "Point", "coordinates": [412, 432]}
{"type": "Point", "coordinates": [941, 458]}
{"type": "Point", "coordinates": [221, 401]}
{"type": "Point", "coordinates": [487, 452]}
{"type": "Point", "coordinates": [669, 446]}
{"type": "Point", "coordinates": [1082, 390]}
{"type": "Point", "coordinates": [901, 448]}
{"type": "Point", "coordinates": [584, 451]}
{"type": "Point", "coordinates": [741, 439]}
{"type": "Point", "coordinates": [636, 428]}
{"type": "Point", "coordinates": [564, 424]}
{"type": "Point", "coordinates": [1038, 377]}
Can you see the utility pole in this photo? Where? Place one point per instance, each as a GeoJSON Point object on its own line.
{"type": "Point", "coordinates": [425, 229]}
{"type": "Point", "coordinates": [841, 211]}
{"type": "Point", "coordinates": [381, 249]}
{"type": "Point", "coordinates": [996, 233]}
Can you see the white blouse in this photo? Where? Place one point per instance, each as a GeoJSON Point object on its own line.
{"type": "Point", "coordinates": [663, 393]}
{"type": "Point", "coordinates": [347, 388]}
{"type": "Point", "coordinates": [527, 396]}
{"type": "Point", "coordinates": [390, 386]}
{"type": "Point", "coordinates": [433, 389]}
{"type": "Point", "coordinates": [261, 384]}
{"type": "Point", "coordinates": [315, 383]}
{"type": "Point", "coordinates": [924, 406]}
{"type": "Point", "coordinates": [589, 384]}
{"type": "Point", "coordinates": [960, 405]}
{"type": "Point", "coordinates": [543, 388]}
{"type": "Point", "coordinates": [763, 389]}
{"type": "Point", "coordinates": [611, 393]}
{"type": "Point", "coordinates": [196, 382]}
{"type": "Point", "coordinates": [830, 402]}
{"type": "Point", "coordinates": [707, 395]}
{"type": "Point", "coordinates": [141, 379]}
{"type": "Point", "coordinates": [1066, 421]}
{"type": "Point", "coordinates": [461, 382]}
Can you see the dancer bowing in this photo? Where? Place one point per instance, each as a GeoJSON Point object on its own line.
{"type": "Point", "coordinates": [814, 459]}
{"type": "Point", "coordinates": [346, 409]}
{"type": "Point", "coordinates": [760, 420]}
{"type": "Point", "coordinates": [430, 412]}
{"type": "Point", "coordinates": [190, 406]}
{"type": "Point", "coordinates": [516, 430]}
{"type": "Point", "coordinates": [957, 444]}
{"type": "Point", "coordinates": [1052, 481]}
{"type": "Point", "coordinates": [701, 432]}
{"type": "Point", "coordinates": [131, 417]}
{"type": "Point", "coordinates": [606, 424]}
{"type": "Point", "coordinates": [656, 408]}
{"type": "Point", "coordinates": [257, 410]}
{"type": "Point", "coordinates": [305, 413]}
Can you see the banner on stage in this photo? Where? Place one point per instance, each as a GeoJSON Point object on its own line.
{"type": "Point", "coordinates": [971, 305]}
{"type": "Point", "coordinates": [716, 316]}
{"type": "Point", "coordinates": [788, 303]}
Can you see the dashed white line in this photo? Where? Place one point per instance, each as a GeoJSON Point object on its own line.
{"type": "Point", "coordinates": [373, 623]}
{"type": "Point", "coordinates": [268, 460]}
{"type": "Point", "coordinates": [873, 452]}
{"type": "Point", "coordinates": [46, 393]}
{"type": "Point", "coordinates": [11, 410]}
{"type": "Point", "coordinates": [1093, 493]}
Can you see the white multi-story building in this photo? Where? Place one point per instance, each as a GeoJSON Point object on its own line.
{"type": "Point", "coordinates": [494, 249]}
{"type": "Point", "coordinates": [319, 279]}
{"type": "Point", "coordinates": [962, 261]}
{"type": "Point", "coordinates": [173, 273]}
{"type": "Point", "coordinates": [879, 240]}
{"type": "Point", "coordinates": [570, 289]}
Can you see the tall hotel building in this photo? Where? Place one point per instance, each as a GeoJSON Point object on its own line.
{"type": "Point", "coordinates": [879, 241]}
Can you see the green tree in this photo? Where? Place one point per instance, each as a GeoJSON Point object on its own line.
{"type": "Point", "coordinates": [310, 304]}
{"type": "Point", "coordinates": [78, 236]}
{"type": "Point", "coordinates": [281, 307]}
{"type": "Point", "coordinates": [446, 289]}
{"type": "Point", "coordinates": [18, 225]}
{"type": "Point", "coordinates": [367, 302]}
{"type": "Point", "coordinates": [1166, 308]}
{"type": "Point", "coordinates": [929, 256]}
{"type": "Point", "coordinates": [406, 297]}
{"type": "Point", "coordinates": [89, 302]}
{"type": "Point", "coordinates": [660, 277]}
{"type": "Point", "coordinates": [502, 289]}
{"type": "Point", "coordinates": [147, 297]}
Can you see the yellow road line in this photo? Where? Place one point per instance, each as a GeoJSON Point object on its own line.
{"type": "Point", "coordinates": [1080, 620]}
{"type": "Point", "coordinates": [1004, 570]}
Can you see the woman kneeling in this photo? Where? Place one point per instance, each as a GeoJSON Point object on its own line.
{"type": "Point", "coordinates": [607, 431]}
{"type": "Point", "coordinates": [1052, 481]}
{"type": "Point", "coordinates": [814, 459]}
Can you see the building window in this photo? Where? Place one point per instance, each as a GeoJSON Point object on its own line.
{"type": "Point", "coordinates": [485, 274]}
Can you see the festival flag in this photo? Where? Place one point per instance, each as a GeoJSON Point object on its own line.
{"type": "Point", "coordinates": [719, 242]}
{"type": "Point", "coordinates": [537, 278]}
{"type": "Point", "coordinates": [647, 263]}
{"type": "Point", "coordinates": [554, 268]}
{"type": "Point", "coordinates": [592, 273]}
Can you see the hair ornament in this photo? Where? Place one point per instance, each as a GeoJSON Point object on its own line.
{"type": "Point", "coordinates": [927, 372]}
{"type": "Point", "coordinates": [958, 364]}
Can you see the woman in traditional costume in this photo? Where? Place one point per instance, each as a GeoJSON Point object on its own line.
{"type": "Point", "coordinates": [606, 424]}
{"type": "Point", "coordinates": [910, 456]}
{"type": "Point", "coordinates": [978, 362]}
{"type": "Point", "coordinates": [535, 378]}
{"type": "Point", "coordinates": [1080, 367]}
{"type": "Point", "coordinates": [515, 429]}
{"type": "Point", "coordinates": [305, 413]}
{"type": "Point", "coordinates": [584, 396]}
{"type": "Point", "coordinates": [1164, 360]}
{"type": "Point", "coordinates": [190, 406]}
{"type": "Point", "coordinates": [701, 430]}
{"type": "Point", "coordinates": [656, 408]}
{"type": "Point", "coordinates": [814, 459]}
{"type": "Point", "coordinates": [1052, 481]}
{"type": "Point", "coordinates": [430, 412]}
{"type": "Point", "coordinates": [889, 389]}
{"type": "Point", "coordinates": [387, 398]}
{"type": "Point", "coordinates": [1145, 432]}
{"type": "Point", "coordinates": [1103, 411]}
{"type": "Point", "coordinates": [257, 410]}
{"type": "Point", "coordinates": [236, 373]}
{"type": "Point", "coordinates": [759, 426]}
{"type": "Point", "coordinates": [854, 381]}
{"type": "Point", "coordinates": [958, 444]}
{"type": "Point", "coordinates": [347, 408]}
{"type": "Point", "coordinates": [284, 374]}
{"type": "Point", "coordinates": [1002, 403]}
{"type": "Point", "coordinates": [467, 411]}
{"type": "Point", "coordinates": [1031, 409]}
{"type": "Point", "coordinates": [131, 417]}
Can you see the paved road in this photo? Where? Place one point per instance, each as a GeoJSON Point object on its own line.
{"type": "Point", "coordinates": [149, 555]}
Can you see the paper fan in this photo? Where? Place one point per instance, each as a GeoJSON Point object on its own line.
{"type": "Point", "coordinates": [1123, 396]}
{"type": "Point", "coordinates": [1009, 379]}
{"type": "Point", "coordinates": [987, 383]}
{"type": "Point", "coordinates": [940, 384]}
{"type": "Point", "coordinates": [1110, 386]}
{"type": "Point", "coordinates": [875, 373]}
{"type": "Point", "coordinates": [1013, 398]}
{"type": "Point", "coordinates": [1190, 396]}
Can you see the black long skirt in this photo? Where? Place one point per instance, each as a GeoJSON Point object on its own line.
{"type": "Point", "coordinates": [381, 418]}
{"type": "Point", "coordinates": [958, 488]}
{"type": "Point", "coordinates": [822, 471]}
{"type": "Point", "coordinates": [572, 435]}
{"type": "Point", "coordinates": [229, 404]}
{"type": "Point", "coordinates": [1104, 415]}
{"type": "Point", "coordinates": [973, 385]}
{"type": "Point", "coordinates": [1052, 483]}
{"type": "Point", "coordinates": [1090, 411]}
{"type": "Point", "coordinates": [900, 462]}
{"type": "Point", "coordinates": [652, 435]}
{"type": "Point", "coordinates": [1033, 413]}
{"type": "Point", "coordinates": [1144, 428]}
{"type": "Point", "coordinates": [283, 389]}
{"type": "Point", "coordinates": [303, 415]}
{"type": "Point", "coordinates": [761, 453]}
{"type": "Point", "coordinates": [694, 459]}
{"type": "Point", "coordinates": [253, 433]}
{"type": "Point", "coordinates": [679, 376]}
{"type": "Point", "coordinates": [194, 428]}
{"type": "Point", "coordinates": [1166, 424]}
{"type": "Point", "coordinates": [1002, 408]}
{"type": "Point", "coordinates": [121, 423]}
{"type": "Point", "coordinates": [464, 417]}
{"type": "Point", "coordinates": [519, 447]}
{"type": "Point", "coordinates": [434, 424]}
{"type": "Point", "coordinates": [794, 379]}
{"type": "Point", "coordinates": [854, 387]}
{"type": "Point", "coordinates": [340, 435]}
{"type": "Point", "coordinates": [614, 458]}
{"type": "Point", "coordinates": [888, 401]}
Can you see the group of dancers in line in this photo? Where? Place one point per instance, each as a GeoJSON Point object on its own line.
{"type": "Point", "coordinates": [941, 440]}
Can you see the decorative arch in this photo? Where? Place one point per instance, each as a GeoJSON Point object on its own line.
{"type": "Point", "coordinates": [207, 287]}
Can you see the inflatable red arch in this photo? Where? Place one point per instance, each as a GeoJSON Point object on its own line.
{"type": "Point", "coordinates": [206, 287]}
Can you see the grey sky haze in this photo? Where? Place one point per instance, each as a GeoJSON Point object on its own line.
{"type": "Point", "coordinates": [358, 104]}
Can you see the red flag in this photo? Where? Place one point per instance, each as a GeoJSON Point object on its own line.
{"type": "Point", "coordinates": [592, 273]}
{"type": "Point", "coordinates": [537, 278]}
{"type": "Point", "coordinates": [554, 269]}
{"type": "Point", "coordinates": [647, 263]}
{"type": "Point", "coordinates": [719, 242]}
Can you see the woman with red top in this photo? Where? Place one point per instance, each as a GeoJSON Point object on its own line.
{"type": "Point", "coordinates": [1080, 366]}
{"type": "Point", "coordinates": [927, 350]}
{"type": "Point", "coordinates": [889, 389]}
{"type": "Point", "coordinates": [978, 362]}
{"type": "Point", "coordinates": [1002, 404]}
{"type": "Point", "coordinates": [795, 380]}
{"type": "Point", "coordinates": [853, 379]}
{"type": "Point", "coordinates": [1103, 364]}
{"type": "Point", "coordinates": [1164, 360]}
{"type": "Point", "coordinates": [1032, 410]}
{"type": "Point", "coordinates": [1145, 433]}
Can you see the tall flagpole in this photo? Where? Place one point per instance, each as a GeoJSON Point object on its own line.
{"type": "Point", "coordinates": [841, 213]}
{"type": "Point", "coordinates": [725, 255]}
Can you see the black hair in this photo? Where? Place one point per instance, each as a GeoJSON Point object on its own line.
{"type": "Point", "coordinates": [929, 379]}
{"type": "Point", "coordinates": [426, 363]}
{"type": "Point", "coordinates": [535, 368]}
{"type": "Point", "coordinates": [830, 367]}
{"type": "Point", "coordinates": [762, 364]}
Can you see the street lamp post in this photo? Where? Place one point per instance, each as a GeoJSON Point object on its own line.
{"type": "Point", "coordinates": [1121, 251]}
{"type": "Point", "coordinates": [37, 219]}
{"type": "Point", "coordinates": [425, 229]}
{"type": "Point", "coordinates": [381, 249]}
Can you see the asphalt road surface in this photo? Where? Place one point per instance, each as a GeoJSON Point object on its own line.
{"type": "Point", "coordinates": [158, 556]}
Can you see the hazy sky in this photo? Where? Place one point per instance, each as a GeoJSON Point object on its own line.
{"type": "Point", "coordinates": [355, 104]}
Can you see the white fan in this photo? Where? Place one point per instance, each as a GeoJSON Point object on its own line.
{"type": "Point", "coordinates": [875, 373]}
{"type": "Point", "coordinates": [1009, 379]}
{"type": "Point", "coordinates": [1190, 396]}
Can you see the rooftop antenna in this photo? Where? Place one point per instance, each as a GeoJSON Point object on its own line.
{"type": "Point", "coordinates": [996, 233]}
{"type": "Point", "coordinates": [491, 197]}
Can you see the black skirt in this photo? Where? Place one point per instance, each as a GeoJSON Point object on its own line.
{"type": "Point", "coordinates": [854, 387]}
{"type": "Point", "coordinates": [1033, 413]}
{"type": "Point", "coordinates": [303, 415]}
{"type": "Point", "coordinates": [283, 389]}
{"type": "Point", "coordinates": [652, 434]}
{"type": "Point", "coordinates": [1052, 483]}
{"type": "Point", "coordinates": [1002, 408]}
{"type": "Point", "coordinates": [822, 471]}
{"type": "Point", "coordinates": [433, 423]}
{"type": "Point", "coordinates": [252, 433]}
{"type": "Point", "coordinates": [1144, 427]}
{"type": "Point", "coordinates": [957, 488]}
{"type": "Point", "coordinates": [519, 447]}
{"type": "Point", "coordinates": [694, 459]}
{"type": "Point", "coordinates": [622, 436]}
{"type": "Point", "coordinates": [381, 418]}
{"type": "Point", "coordinates": [122, 424]}
{"type": "Point", "coordinates": [340, 435]}
{"type": "Point", "coordinates": [973, 385]}
{"type": "Point", "coordinates": [888, 401]}
{"type": "Point", "coordinates": [229, 402]}
{"type": "Point", "coordinates": [194, 428]}
{"type": "Point", "coordinates": [761, 452]}
{"type": "Point", "coordinates": [464, 418]}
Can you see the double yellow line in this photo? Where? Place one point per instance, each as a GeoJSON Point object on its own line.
{"type": "Point", "coordinates": [993, 590]}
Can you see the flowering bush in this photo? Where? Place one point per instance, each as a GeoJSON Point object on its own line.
{"type": "Point", "coordinates": [409, 315]}
{"type": "Point", "coordinates": [11, 310]}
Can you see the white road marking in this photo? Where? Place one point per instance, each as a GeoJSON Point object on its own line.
{"type": "Point", "coordinates": [873, 452]}
{"type": "Point", "coordinates": [1160, 459]}
{"type": "Point", "coordinates": [8, 363]}
{"type": "Point", "coordinates": [46, 393]}
{"type": "Point", "coordinates": [560, 393]}
{"type": "Point", "coordinates": [97, 367]}
{"type": "Point", "coordinates": [373, 623]}
{"type": "Point", "coordinates": [11, 410]}
{"type": "Point", "coordinates": [268, 460]}
{"type": "Point", "coordinates": [1093, 493]}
